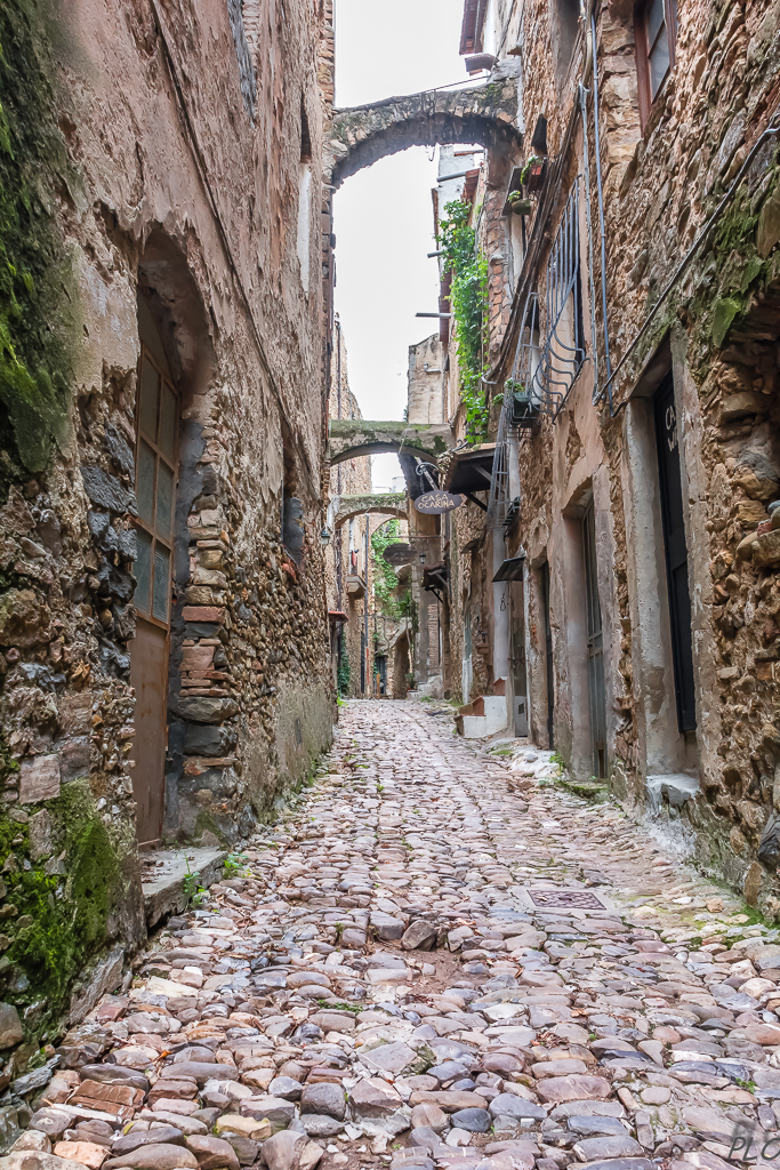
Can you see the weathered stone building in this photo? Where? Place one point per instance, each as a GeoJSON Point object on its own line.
{"type": "Point", "coordinates": [634, 275]}
{"type": "Point", "coordinates": [163, 373]}
{"type": "Point", "coordinates": [347, 559]}
{"type": "Point", "coordinates": [166, 350]}
{"type": "Point", "coordinates": [425, 404]}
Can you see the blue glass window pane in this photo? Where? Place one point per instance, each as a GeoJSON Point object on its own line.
{"type": "Point", "coordinates": [142, 571]}
{"type": "Point", "coordinates": [147, 400]}
{"type": "Point", "coordinates": [659, 63]}
{"type": "Point", "coordinates": [164, 520]}
{"type": "Point", "coordinates": [161, 593]}
{"type": "Point", "coordinates": [144, 488]}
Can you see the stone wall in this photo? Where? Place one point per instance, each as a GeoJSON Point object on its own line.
{"type": "Point", "coordinates": [188, 210]}
{"type": "Point", "coordinates": [715, 329]}
{"type": "Point", "coordinates": [424, 381]}
{"type": "Point", "coordinates": [352, 477]}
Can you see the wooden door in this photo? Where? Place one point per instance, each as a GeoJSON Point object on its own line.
{"type": "Point", "coordinates": [595, 647]}
{"type": "Point", "coordinates": [544, 574]}
{"type": "Point", "coordinates": [676, 552]}
{"type": "Point", "coordinates": [157, 430]}
{"type": "Point", "coordinates": [519, 685]}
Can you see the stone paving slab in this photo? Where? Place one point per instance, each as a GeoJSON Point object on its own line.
{"type": "Point", "coordinates": [165, 873]}
{"type": "Point", "coordinates": [383, 985]}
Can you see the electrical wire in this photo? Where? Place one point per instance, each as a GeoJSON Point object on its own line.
{"type": "Point", "coordinates": [770, 132]}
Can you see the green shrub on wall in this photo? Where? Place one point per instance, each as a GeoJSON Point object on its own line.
{"type": "Point", "coordinates": [344, 674]}
{"type": "Point", "coordinates": [469, 305]}
{"type": "Point", "coordinates": [36, 299]}
{"type": "Point", "coordinates": [57, 906]}
{"type": "Point", "coordinates": [385, 580]}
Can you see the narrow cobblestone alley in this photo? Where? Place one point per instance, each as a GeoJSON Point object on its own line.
{"type": "Point", "coordinates": [432, 960]}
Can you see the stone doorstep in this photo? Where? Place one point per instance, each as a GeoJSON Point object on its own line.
{"type": "Point", "coordinates": [164, 891]}
{"type": "Point", "coordinates": [676, 787]}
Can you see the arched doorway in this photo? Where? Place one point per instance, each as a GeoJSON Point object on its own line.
{"type": "Point", "coordinates": [157, 429]}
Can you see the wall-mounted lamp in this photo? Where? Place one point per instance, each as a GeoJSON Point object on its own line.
{"type": "Point", "coordinates": [325, 537]}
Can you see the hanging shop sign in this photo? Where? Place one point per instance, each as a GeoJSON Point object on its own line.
{"type": "Point", "coordinates": [438, 502]}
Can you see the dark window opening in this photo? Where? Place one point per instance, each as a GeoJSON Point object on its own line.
{"type": "Point", "coordinates": [292, 512]}
{"type": "Point", "coordinates": [579, 325]}
{"type": "Point", "coordinates": [655, 26]}
{"type": "Point", "coordinates": [565, 26]}
{"type": "Point", "coordinates": [675, 548]}
{"type": "Point", "coordinates": [305, 136]}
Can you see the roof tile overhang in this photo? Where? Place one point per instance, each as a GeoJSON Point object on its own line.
{"type": "Point", "coordinates": [471, 470]}
{"type": "Point", "coordinates": [435, 576]}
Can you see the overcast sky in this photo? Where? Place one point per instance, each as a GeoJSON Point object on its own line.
{"type": "Point", "coordinates": [383, 214]}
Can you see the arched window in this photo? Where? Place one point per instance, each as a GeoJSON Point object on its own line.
{"type": "Point", "coordinates": [656, 32]}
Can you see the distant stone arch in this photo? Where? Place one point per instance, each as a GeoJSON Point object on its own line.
{"type": "Point", "coordinates": [393, 504]}
{"type": "Point", "coordinates": [487, 114]}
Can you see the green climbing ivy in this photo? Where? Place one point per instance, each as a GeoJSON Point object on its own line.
{"type": "Point", "coordinates": [469, 306]}
{"type": "Point", "coordinates": [344, 673]}
{"type": "Point", "coordinates": [385, 580]}
{"type": "Point", "coordinates": [36, 299]}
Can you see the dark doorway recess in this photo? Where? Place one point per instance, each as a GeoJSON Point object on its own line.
{"type": "Point", "coordinates": [595, 646]}
{"type": "Point", "coordinates": [157, 428]}
{"type": "Point", "coordinates": [667, 437]}
{"type": "Point", "coordinates": [544, 581]}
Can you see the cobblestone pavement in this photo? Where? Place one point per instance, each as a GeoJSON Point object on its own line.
{"type": "Point", "coordinates": [433, 960]}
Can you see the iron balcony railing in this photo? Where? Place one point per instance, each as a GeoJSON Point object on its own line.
{"type": "Point", "coordinates": [545, 364]}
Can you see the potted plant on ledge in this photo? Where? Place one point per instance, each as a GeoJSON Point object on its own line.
{"type": "Point", "coordinates": [519, 203]}
{"type": "Point", "coordinates": [533, 173]}
{"type": "Point", "coordinates": [525, 411]}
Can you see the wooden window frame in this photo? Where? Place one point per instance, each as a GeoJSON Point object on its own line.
{"type": "Point", "coordinates": [646, 98]}
{"type": "Point", "coordinates": [171, 461]}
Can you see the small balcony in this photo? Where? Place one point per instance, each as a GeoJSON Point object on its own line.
{"type": "Point", "coordinates": [356, 586]}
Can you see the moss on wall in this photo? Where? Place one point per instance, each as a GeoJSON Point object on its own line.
{"type": "Point", "coordinates": [36, 301]}
{"type": "Point", "coordinates": [736, 274]}
{"type": "Point", "coordinates": [56, 910]}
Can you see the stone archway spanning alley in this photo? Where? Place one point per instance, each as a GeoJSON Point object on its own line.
{"type": "Point", "coordinates": [393, 504]}
{"type": "Point", "coordinates": [349, 438]}
{"type": "Point", "coordinates": [487, 114]}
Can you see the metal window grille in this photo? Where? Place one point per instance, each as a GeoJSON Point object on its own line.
{"type": "Point", "coordinates": [543, 371]}
{"type": "Point", "coordinates": [564, 349]}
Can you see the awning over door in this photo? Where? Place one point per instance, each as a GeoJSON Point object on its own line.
{"type": "Point", "coordinates": [471, 471]}
{"type": "Point", "coordinates": [511, 569]}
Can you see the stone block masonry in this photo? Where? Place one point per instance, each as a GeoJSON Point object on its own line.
{"type": "Point", "coordinates": [677, 707]}
{"type": "Point", "coordinates": [162, 385]}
